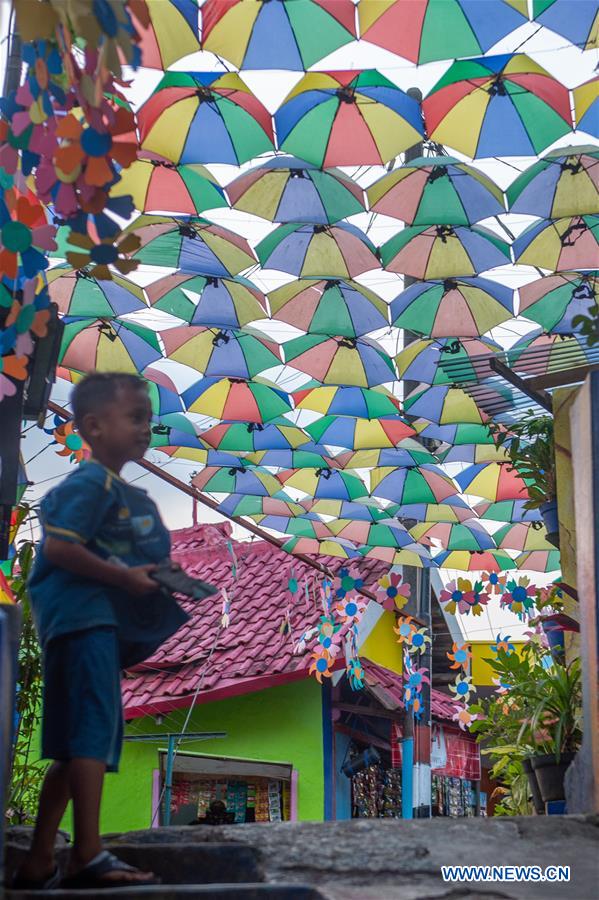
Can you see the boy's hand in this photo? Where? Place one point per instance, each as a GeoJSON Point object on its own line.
{"type": "Point", "coordinates": [137, 580]}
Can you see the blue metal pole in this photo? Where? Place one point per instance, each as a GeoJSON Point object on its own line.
{"type": "Point", "coordinates": [407, 778]}
{"type": "Point", "coordinates": [168, 781]}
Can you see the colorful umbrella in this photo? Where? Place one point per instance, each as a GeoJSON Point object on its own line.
{"type": "Point", "coordinates": [238, 480]}
{"type": "Point", "coordinates": [493, 481]}
{"type": "Point", "coordinates": [204, 117]}
{"type": "Point", "coordinates": [283, 35]}
{"type": "Point", "coordinates": [285, 189]}
{"type": "Point", "coordinates": [318, 251]}
{"type": "Point", "coordinates": [539, 561]}
{"type": "Point", "coordinates": [343, 308]}
{"type": "Point", "coordinates": [465, 307]}
{"type": "Point", "coordinates": [235, 400]}
{"type": "Point", "coordinates": [214, 302]}
{"type": "Point", "coordinates": [436, 29]}
{"type": "Point", "coordinates": [89, 345]}
{"type": "Point", "coordinates": [465, 536]}
{"type": "Point", "coordinates": [549, 353]}
{"type": "Point", "coordinates": [474, 454]}
{"type": "Point", "coordinates": [426, 484]}
{"type": "Point", "coordinates": [468, 561]}
{"type": "Point", "coordinates": [560, 244]}
{"type": "Point", "coordinates": [311, 547]}
{"type": "Point", "coordinates": [296, 526]}
{"type": "Point", "coordinates": [459, 434]}
{"type": "Point", "coordinates": [376, 535]}
{"type": "Point", "coordinates": [497, 106]}
{"type": "Point", "coordinates": [507, 511]}
{"type": "Point", "coordinates": [203, 457]}
{"type": "Point", "coordinates": [252, 505]}
{"type": "Point", "coordinates": [250, 438]}
{"type": "Point", "coordinates": [444, 406]}
{"type": "Point", "coordinates": [290, 459]}
{"type": "Point", "coordinates": [224, 352]}
{"type": "Point", "coordinates": [345, 509]}
{"type": "Point", "coordinates": [564, 183]}
{"type": "Point", "coordinates": [581, 29]}
{"type": "Point", "coordinates": [436, 191]}
{"type": "Point", "coordinates": [442, 251]}
{"type": "Point", "coordinates": [164, 401]}
{"type": "Point", "coordinates": [454, 509]}
{"type": "Point", "coordinates": [328, 484]}
{"type": "Point", "coordinates": [194, 246]}
{"type": "Point", "coordinates": [408, 453]}
{"type": "Point", "coordinates": [523, 536]}
{"type": "Point", "coordinates": [424, 360]}
{"type": "Point", "coordinates": [79, 295]}
{"type": "Point", "coordinates": [555, 300]}
{"type": "Point", "coordinates": [348, 401]}
{"type": "Point", "coordinates": [586, 107]}
{"type": "Point", "coordinates": [169, 31]}
{"type": "Point", "coordinates": [340, 361]}
{"type": "Point", "coordinates": [347, 118]}
{"type": "Point", "coordinates": [395, 557]}
{"type": "Point", "coordinates": [164, 187]}
{"type": "Point", "coordinates": [359, 434]}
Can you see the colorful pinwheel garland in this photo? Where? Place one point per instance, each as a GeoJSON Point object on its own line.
{"type": "Point", "coordinates": [343, 608]}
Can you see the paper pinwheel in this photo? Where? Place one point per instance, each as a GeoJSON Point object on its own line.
{"type": "Point", "coordinates": [464, 717]}
{"type": "Point", "coordinates": [328, 636]}
{"type": "Point", "coordinates": [320, 665]}
{"type": "Point", "coordinates": [462, 688]}
{"type": "Point", "coordinates": [345, 583]}
{"type": "Point", "coordinates": [459, 656]}
{"type": "Point", "coordinates": [355, 674]}
{"type": "Point", "coordinates": [519, 596]}
{"type": "Point", "coordinates": [495, 584]}
{"type": "Point", "coordinates": [502, 645]}
{"type": "Point", "coordinates": [457, 595]}
{"type": "Point", "coordinates": [394, 592]}
{"type": "Point", "coordinates": [350, 609]}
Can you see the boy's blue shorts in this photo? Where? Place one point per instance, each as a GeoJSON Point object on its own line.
{"type": "Point", "coordinates": [82, 706]}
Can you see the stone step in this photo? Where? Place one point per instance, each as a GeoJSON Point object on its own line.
{"type": "Point", "coordinates": [183, 892]}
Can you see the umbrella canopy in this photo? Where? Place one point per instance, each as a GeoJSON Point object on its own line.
{"type": "Point", "coordinates": [359, 434]}
{"type": "Point", "coordinates": [452, 510]}
{"type": "Point", "coordinates": [203, 457]}
{"type": "Point", "coordinates": [459, 434]}
{"type": "Point", "coordinates": [347, 118]}
{"type": "Point", "coordinates": [493, 481]}
{"type": "Point", "coordinates": [396, 557]}
{"type": "Point", "coordinates": [407, 453]}
{"type": "Point", "coordinates": [164, 187]}
{"type": "Point", "coordinates": [465, 307]}
{"type": "Point", "coordinates": [318, 251]}
{"type": "Point", "coordinates": [96, 344]}
{"type": "Point", "coordinates": [240, 480]}
{"type": "Point", "coordinates": [340, 361]}
{"type": "Point", "coordinates": [555, 300]}
{"type": "Point", "coordinates": [436, 29]}
{"type": "Point", "coordinates": [290, 459]}
{"type": "Point", "coordinates": [164, 401]}
{"type": "Point", "coordinates": [497, 106]}
{"type": "Point", "coordinates": [330, 306]}
{"type": "Point", "coordinates": [539, 561]}
{"type": "Point", "coordinates": [564, 183]}
{"type": "Point", "coordinates": [328, 484]}
{"type": "Point", "coordinates": [474, 453]}
{"type": "Point", "coordinates": [296, 526]}
{"type": "Point", "coordinates": [250, 438]}
{"type": "Point", "coordinates": [549, 353]}
{"type": "Point", "coordinates": [436, 191]}
{"type": "Point", "coordinates": [523, 536]}
{"type": "Point", "coordinates": [224, 352]}
{"type": "Point", "coordinates": [204, 117]}
{"type": "Point", "coordinates": [347, 401]}
{"type": "Point", "coordinates": [204, 300]}
{"type": "Point", "coordinates": [79, 295]}
{"type": "Point", "coordinates": [469, 561]}
{"type": "Point", "coordinates": [560, 244]}
{"type": "Point", "coordinates": [285, 189]}
{"type": "Point", "coordinates": [194, 246]}
{"type": "Point", "coordinates": [376, 535]}
{"type": "Point", "coordinates": [235, 400]}
{"type": "Point", "coordinates": [465, 536]}
{"type": "Point", "coordinates": [423, 360]}
{"type": "Point", "coordinates": [284, 35]}
{"type": "Point", "coordinates": [168, 32]}
{"type": "Point", "coordinates": [313, 547]}
{"type": "Point", "coordinates": [581, 29]}
{"type": "Point", "coordinates": [586, 106]}
{"type": "Point", "coordinates": [426, 484]}
{"type": "Point", "coordinates": [442, 251]}
{"type": "Point", "coordinates": [253, 505]}
{"type": "Point", "coordinates": [507, 511]}
{"type": "Point", "coordinates": [346, 509]}
{"type": "Point", "coordinates": [444, 406]}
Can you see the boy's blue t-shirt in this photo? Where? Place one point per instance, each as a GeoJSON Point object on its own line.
{"type": "Point", "coordinates": [95, 507]}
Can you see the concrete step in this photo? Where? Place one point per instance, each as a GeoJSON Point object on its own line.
{"type": "Point", "coordinates": [183, 892]}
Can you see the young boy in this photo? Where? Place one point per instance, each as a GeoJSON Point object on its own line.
{"type": "Point", "coordinates": [97, 610]}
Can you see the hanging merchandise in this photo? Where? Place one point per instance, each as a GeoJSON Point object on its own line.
{"type": "Point", "coordinates": [452, 797]}
{"type": "Point", "coordinates": [376, 793]}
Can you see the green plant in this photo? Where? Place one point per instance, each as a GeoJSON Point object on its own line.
{"type": "Point", "coordinates": [530, 448]}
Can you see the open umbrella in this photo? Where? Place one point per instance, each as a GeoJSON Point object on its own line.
{"type": "Point", "coordinates": [359, 434]}
{"type": "Point", "coordinates": [444, 406]}
{"type": "Point", "coordinates": [555, 300]}
{"type": "Point", "coordinates": [203, 457]}
{"type": "Point", "coordinates": [164, 187]}
{"type": "Point", "coordinates": [375, 534]}
{"type": "Point", "coordinates": [458, 434]}
{"type": "Point", "coordinates": [436, 29]}
{"type": "Point", "coordinates": [204, 117]}
{"type": "Point", "coordinates": [326, 547]}
{"type": "Point", "coordinates": [346, 509]}
{"type": "Point", "coordinates": [294, 525]}
{"type": "Point", "coordinates": [426, 484]}
{"type": "Point", "coordinates": [283, 35]}
{"type": "Point", "coordinates": [340, 361]}
{"type": "Point", "coordinates": [164, 401]}
{"type": "Point", "coordinates": [220, 352]}
{"type": "Point", "coordinates": [347, 401]}
{"type": "Point", "coordinates": [107, 346]}
{"type": "Point", "coordinates": [407, 453]}
{"type": "Point", "coordinates": [446, 536]}
{"type": "Point", "coordinates": [77, 294]}
{"type": "Point", "coordinates": [453, 510]}
{"type": "Point", "coordinates": [539, 561]}
{"type": "Point", "coordinates": [252, 437]}
{"type": "Point", "coordinates": [239, 480]}
{"type": "Point", "coordinates": [436, 191]}
{"type": "Point", "coordinates": [474, 453]}
{"type": "Point", "coordinates": [507, 511]}
{"type": "Point", "coordinates": [330, 306]}
{"type": "Point", "coordinates": [169, 31]}
{"type": "Point", "coordinates": [564, 183]}
{"type": "Point", "coordinates": [285, 189]}
{"type": "Point", "coordinates": [290, 459]}
{"type": "Point", "coordinates": [549, 353]}
{"type": "Point", "coordinates": [586, 107]}
{"type": "Point", "coordinates": [493, 481]}
{"type": "Point", "coordinates": [396, 557]}
{"type": "Point", "coordinates": [318, 251]}
{"type": "Point", "coordinates": [194, 246]}
{"type": "Point", "coordinates": [347, 118]}
{"type": "Point", "coordinates": [560, 244]}
{"type": "Point", "coordinates": [328, 484]}
{"type": "Point", "coordinates": [204, 300]}
{"type": "Point", "coordinates": [471, 561]}
{"type": "Point", "coordinates": [523, 536]}
{"type": "Point", "coordinates": [424, 360]}
{"type": "Point", "coordinates": [235, 400]}
{"type": "Point", "coordinates": [442, 251]}
{"type": "Point", "coordinates": [581, 29]}
{"type": "Point", "coordinates": [497, 106]}
{"type": "Point", "coordinates": [465, 307]}
{"type": "Point", "coordinates": [253, 505]}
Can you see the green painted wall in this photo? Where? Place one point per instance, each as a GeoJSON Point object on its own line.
{"type": "Point", "coordinates": [281, 724]}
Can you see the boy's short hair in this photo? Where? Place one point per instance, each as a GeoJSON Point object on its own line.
{"type": "Point", "coordinates": [99, 388]}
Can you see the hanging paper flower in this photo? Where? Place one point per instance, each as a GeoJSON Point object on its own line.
{"type": "Point", "coordinates": [501, 687]}
{"type": "Point", "coordinates": [304, 638]}
{"type": "Point", "coordinates": [462, 688]}
{"type": "Point", "coordinates": [98, 256]}
{"type": "Point", "coordinates": [320, 666]}
{"type": "Point", "coordinates": [24, 235]}
{"type": "Point", "coordinates": [412, 700]}
{"type": "Point", "coordinates": [393, 591]}
{"type": "Point", "coordinates": [479, 599]}
{"type": "Point", "coordinates": [328, 635]}
{"type": "Point", "coordinates": [519, 596]}
{"type": "Point", "coordinates": [495, 583]}
{"type": "Point", "coordinates": [459, 656]}
{"type": "Point", "coordinates": [350, 609]}
{"type": "Point", "coordinates": [414, 676]}
{"type": "Point", "coordinates": [72, 443]}
{"type": "Point", "coordinates": [12, 368]}
{"type": "Point", "coordinates": [464, 717]}
{"type": "Point", "coordinates": [29, 314]}
{"type": "Point", "coordinates": [503, 644]}
{"type": "Point", "coordinates": [345, 583]}
{"type": "Point", "coordinates": [355, 674]}
{"type": "Point", "coordinates": [458, 595]}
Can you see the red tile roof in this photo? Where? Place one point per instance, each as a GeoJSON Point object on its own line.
{"type": "Point", "coordinates": [389, 683]}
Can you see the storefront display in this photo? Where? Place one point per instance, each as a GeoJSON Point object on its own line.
{"type": "Point", "coordinates": [454, 797]}
{"type": "Point", "coordinates": [253, 799]}
{"type": "Point", "coordinates": [376, 793]}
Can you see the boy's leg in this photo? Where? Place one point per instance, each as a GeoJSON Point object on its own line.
{"type": "Point", "coordinates": [86, 777]}
{"type": "Point", "coordinates": [39, 862]}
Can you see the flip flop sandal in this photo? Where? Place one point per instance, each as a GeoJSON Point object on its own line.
{"type": "Point", "coordinates": [30, 884]}
{"type": "Point", "coordinates": [92, 875]}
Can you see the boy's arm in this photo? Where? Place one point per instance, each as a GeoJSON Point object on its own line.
{"type": "Point", "coordinates": [76, 558]}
